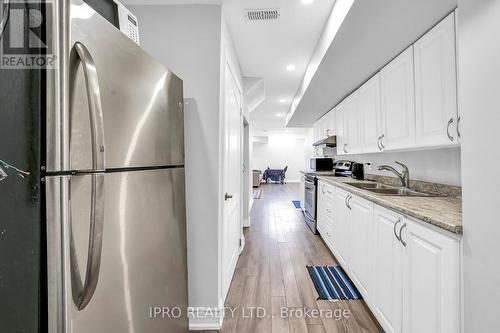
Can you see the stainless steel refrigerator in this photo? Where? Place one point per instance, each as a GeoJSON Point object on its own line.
{"type": "Point", "coordinates": [112, 199]}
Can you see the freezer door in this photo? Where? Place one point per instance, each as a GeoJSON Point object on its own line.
{"type": "Point", "coordinates": [141, 100]}
{"type": "Point", "coordinates": [143, 262]}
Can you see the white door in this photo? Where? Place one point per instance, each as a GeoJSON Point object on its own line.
{"type": "Point", "coordinates": [231, 229]}
{"type": "Point", "coordinates": [351, 117]}
{"type": "Point", "coordinates": [361, 257]}
{"type": "Point", "coordinates": [432, 279]}
{"type": "Point", "coordinates": [388, 290]}
{"type": "Point", "coordinates": [341, 227]}
{"type": "Point", "coordinates": [398, 102]}
{"type": "Point", "coordinates": [436, 85]}
{"type": "Point", "coordinates": [370, 115]}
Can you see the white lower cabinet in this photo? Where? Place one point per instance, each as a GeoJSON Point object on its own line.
{"type": "Point", "coordinates": [431, 280]}
{"type": "Point", "coordinates": [341, 232]}
{"type": "Point", "coordinates": [361, 257]}
{"type": "Point", "coordinates": [388, 292]}
{"type": "Point", "coordinates": [408, 272]}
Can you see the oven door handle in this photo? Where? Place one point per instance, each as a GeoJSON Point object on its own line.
{"type": "Point", "coordinates": [308, 181]}
{"type": "Point", "coordinates": [309, 217]}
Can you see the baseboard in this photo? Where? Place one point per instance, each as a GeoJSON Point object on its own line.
{"type": "Point", "coordinates": [205, 318]}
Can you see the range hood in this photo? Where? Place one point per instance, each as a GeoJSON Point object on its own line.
{"type": "Point", "coordinates": [330, 142]}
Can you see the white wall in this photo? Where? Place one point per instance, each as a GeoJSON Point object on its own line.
{"type": "Point", "coordinates": [437, 166]}
{"type": "Point", "coordinates": [194, 41]}
{"type": "Point", "coordinates": [479, 73]}
{"type": "Point", "coordinates": [187, 39]}
{"type": "Point", "coordinates": [284, 148]}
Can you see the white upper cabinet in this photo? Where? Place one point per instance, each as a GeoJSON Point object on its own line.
{"type": "Point", "coordinates": [431, 280]}
{"type": "Point", "coordinates": [353, 143]}
{"type": "Point", "coordinates": [325, 126]}
{"type": "Point", "coordinates": [330, 121]}
{"type": "Point", "coordinates": [370, 115]}
{"type": "Point", "coordinates": [340, 129]}
{"type": "Point", "coordinates": [315, 131]}
{"type": "Point", "coordinates": [436, 86]}
{"type": "Point", "coordinates": [410, 104]}
{"type": "Point", "coordinates": [398, 102]}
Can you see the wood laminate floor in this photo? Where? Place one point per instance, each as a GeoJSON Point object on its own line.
{"type": "Point", "coordinates": [271, 279]}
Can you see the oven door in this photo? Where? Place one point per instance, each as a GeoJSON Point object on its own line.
{"type": "Point", "coordinates": [310, 199]}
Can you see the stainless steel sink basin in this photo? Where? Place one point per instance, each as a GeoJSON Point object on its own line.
{"type": "Point", "coordinates": [367, 186]}
{"type": "Point", "coordinates": [382, 189]}
{"type": "Point", "coordinates": [402, 192]}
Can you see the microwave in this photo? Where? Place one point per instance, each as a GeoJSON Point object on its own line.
{"type": "Point", "coordinates": [321, 164]}
{"type": "Point", "coordinates": [118, 15]}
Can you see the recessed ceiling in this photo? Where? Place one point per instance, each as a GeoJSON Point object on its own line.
{"type": "Point", "coordinates": [372, 34]}
{"type": "Point", "coordinates": [266, 48]}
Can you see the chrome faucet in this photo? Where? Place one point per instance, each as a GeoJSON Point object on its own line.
{"type": "Point", "coordinates": [404, 176]}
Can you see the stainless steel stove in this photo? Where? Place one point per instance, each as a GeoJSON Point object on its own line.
{"type": "Point", "coordinates": [340, 169]}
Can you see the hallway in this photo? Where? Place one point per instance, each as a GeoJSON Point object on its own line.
{"type": "Point", "coordinates": [271, 277]}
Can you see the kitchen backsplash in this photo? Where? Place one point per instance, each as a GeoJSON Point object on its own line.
{"type": "Point", "coordinates": [435, 166]}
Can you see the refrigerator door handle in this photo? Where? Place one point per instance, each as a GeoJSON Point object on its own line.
{"type": "Point", "coordinates": [5, 16]}
{"type": "Point", "coordinates": [82, 294]}
{"type": "Point", "coordinates": [95, 107]}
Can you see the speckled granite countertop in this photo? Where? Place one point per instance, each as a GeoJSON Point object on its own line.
{"type": "Point", "coordinates": [443, 212]}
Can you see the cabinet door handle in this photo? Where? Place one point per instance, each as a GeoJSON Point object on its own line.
{"type": "Point", "coordinates": [458, 127]}
{"type": "Point", "coordinates": [401, 237]}
{"type": "Point", "coordinates": [345, 201]}
{"type": "Point", "coordinates": [349, 197]}
{"type": "Point", "coordinates": [345, 150]}
{"type": "Point", "coordinates": [381, 144]}
{"type": "Point", "coordinates": [448, 130]}
{"type": "Point", "coordinates": [327, 132]}
{"type": "Point", "coordinates": [378, 143]}
{"type": "Point", "coordinates": [323, 189]}
{"type": "Point", "coordinates": [395, 226]}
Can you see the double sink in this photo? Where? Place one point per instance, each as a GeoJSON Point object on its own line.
{"type": "Point", "coordinates": [382, 189]}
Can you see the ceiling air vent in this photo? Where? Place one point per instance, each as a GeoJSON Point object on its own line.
{"type": "Point", "coordinates": [262, 14]}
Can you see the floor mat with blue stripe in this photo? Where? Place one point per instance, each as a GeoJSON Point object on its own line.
{"type": "Point", "coordinates": [332, 283]}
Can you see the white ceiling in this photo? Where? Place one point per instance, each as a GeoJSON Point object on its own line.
{"type": "Point", "coordinates": [265, 49]}
{"type": "Point", "coordinates": [172, 2]}
{"type": "Point", "coordinates": [371, 35]}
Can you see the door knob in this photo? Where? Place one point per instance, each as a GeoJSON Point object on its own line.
{"type": "Point", "coordinates": [227, 196]}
